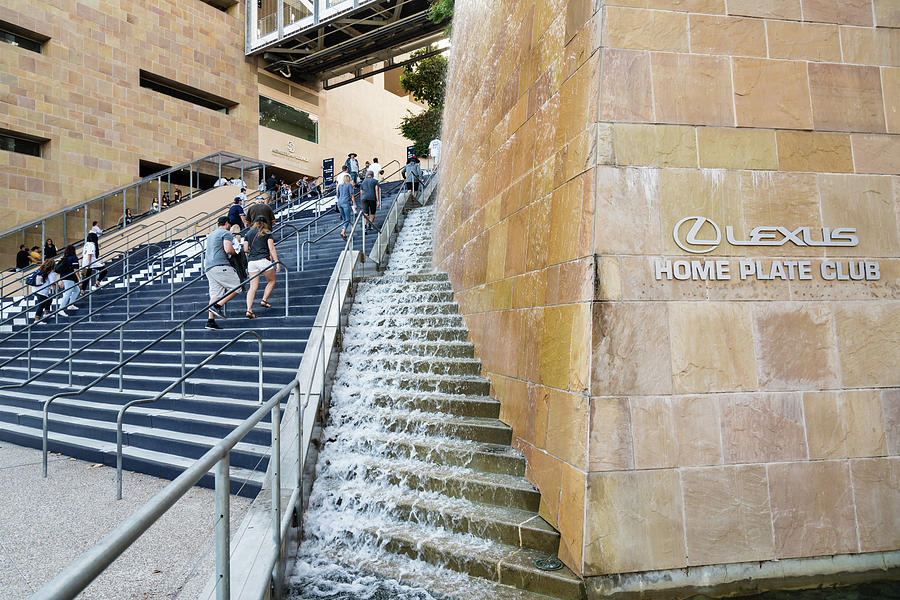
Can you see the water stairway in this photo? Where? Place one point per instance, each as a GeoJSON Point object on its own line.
{"type": "Point", "coordinates": [164, 438]}
{"type": "Point", "coordinates": [418, 494]}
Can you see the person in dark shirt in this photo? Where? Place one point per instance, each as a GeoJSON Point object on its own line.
{"type": "Point", "coordinates": [236, 216]}
{"type": "Point", "coordinates": [70, 277]}
{"type": "Point", "coordinates": [260, 209]}
{"type": "Point", "coordinates": [49, 249]}
{"type": "Point", "coordinates": [371, 199]}
{"type": "Point", "coordinates": [22, 258]}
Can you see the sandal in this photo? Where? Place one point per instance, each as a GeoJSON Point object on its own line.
{"type": "Point", "coordinates": [250, 315]}
{"type": "Point", "coordinates": [265, 304]}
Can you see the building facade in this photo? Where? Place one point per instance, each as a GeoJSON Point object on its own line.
{"type": "Point", "coordinates": [672, 227]}
{"type": "Point", "coordinates": [99, 94]}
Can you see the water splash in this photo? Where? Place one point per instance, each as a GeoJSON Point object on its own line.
{"type": "Point", "coordinates": [374, 472]}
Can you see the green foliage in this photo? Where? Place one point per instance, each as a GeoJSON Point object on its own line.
{"type": "Point", "coordinates": [441, 11]}
{"type": "Point", "coordinates": [425, 79]}
{"type": "Point", "coordinates": [421, 129]}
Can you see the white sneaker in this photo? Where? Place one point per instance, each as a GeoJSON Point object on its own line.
{"type": "Point", "coordinates": [62, 313]}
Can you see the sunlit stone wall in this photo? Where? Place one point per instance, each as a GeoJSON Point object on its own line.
{"type": "Point", "coordinates": [83, 94]}
{"type": "Point", "coordinates": [671, 422]}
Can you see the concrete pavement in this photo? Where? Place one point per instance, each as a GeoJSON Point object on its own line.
{"type": "Point", "coordinates": [49, 522]}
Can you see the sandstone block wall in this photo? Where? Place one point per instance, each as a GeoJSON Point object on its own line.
{"type": "Point", "coordinates": [672, 423]}
{"type": "Point", "coordinates": [83, 94]}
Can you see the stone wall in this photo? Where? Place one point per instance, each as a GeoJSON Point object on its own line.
{"type": "Point", "coordinates": [83, 94]}
{"type": "Point", "coordinates": [667, 422]}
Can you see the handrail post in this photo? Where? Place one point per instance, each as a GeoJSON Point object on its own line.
{"type": "Point", "coordinates": [287, 289]}
{"type": "Point", "coordinates": [183, 353]}
{"type": "Point", "coordinates": [29, 343]}
{"type": "Point", "coordinates": [121, 357]}
{"type": "Point", "coordinates": [119, 459]}
{"type": "Point", "coordinates": [259, 341]}
{"type": "Point", "coordinates": [276, 494]}
{"type": "Point", "coordinates": [71, 358]}
{"type": "Point", "coordinates": [223, 529]}
{"type": "Point", "coordinates": [300, 407]}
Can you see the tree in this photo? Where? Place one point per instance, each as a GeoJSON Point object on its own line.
{"type": "Point", "coordinates": [425, 80]}
{"type": "Point", "coordinates": [421, 129]}
{"type": "Point", "coordinates": [441, 11]}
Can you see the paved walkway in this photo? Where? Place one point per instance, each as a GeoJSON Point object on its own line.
{"type": "Point", "coordinates": [49, 522]}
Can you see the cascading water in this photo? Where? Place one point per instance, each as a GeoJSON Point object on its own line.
{"type": "Point", "coordinates": [373, 470]}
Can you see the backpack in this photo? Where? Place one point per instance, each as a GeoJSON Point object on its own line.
{"type": "Point", "coordinates": [32, 279]}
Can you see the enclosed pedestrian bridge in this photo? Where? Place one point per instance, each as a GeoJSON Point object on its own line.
{"type": "Point", "coordinates": [321, 40]}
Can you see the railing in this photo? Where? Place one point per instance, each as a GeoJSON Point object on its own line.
{"type": "Point", "coordinates": [78, 575]}
{"type": "Point", "coordinates": [88, 317]}
{"type": "Point", "coordinates": [120, 366]}
{"type": "Point", "coordinates": [96, 208]}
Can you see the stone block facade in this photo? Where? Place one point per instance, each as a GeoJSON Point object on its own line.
{"type": "Point", "coordinates": [669, 421]}
{"type": "Point", "coordinates": [83, 94]}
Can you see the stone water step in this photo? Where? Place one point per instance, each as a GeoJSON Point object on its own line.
{"type": "Point", "coordinates": [385, 333]}
{"type": "Point", "coordinates": [445, 384]}
{"type": "Point", "coordinates": [478, 456]}
{"type": "Point", "coordinates": [474, 406]}
{"type": "Point", "coordinates": [393, 567]}
{"type": "Point", "coordinates": [457, 482]}
{"type": "Point", "coordinates": [352, 343]}
{"type": "Point", "coordinates": [390, 321]}
{"type": "Point", "coordinates": [475, 429]}
{"type": "Point", "coordinates": [502, 563]}
{"type": "Point", "coordinates": [410, 308]}
{"type": "Point", "coordinates": [425, 365]}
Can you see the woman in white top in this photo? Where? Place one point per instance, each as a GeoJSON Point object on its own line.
{"type": "Point", "coordinates": [90, 263]}
{"type": "Point", "coordinates": [45, 288]}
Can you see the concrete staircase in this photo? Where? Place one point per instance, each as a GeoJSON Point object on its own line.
{"type": "Point", "coordinates": [418, 492]}
{"type": "Point", "coordinates": [163, 438]}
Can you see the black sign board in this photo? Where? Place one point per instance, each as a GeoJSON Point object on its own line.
{"type": "Point", "coordinates": [410, 152]}
{"type": "Point", "coordinates": [328, 171]}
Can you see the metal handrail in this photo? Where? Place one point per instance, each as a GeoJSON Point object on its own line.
{"type": "Point", "coordinates": [83, 570]}
{"type": "Point", "coordinates": [122, 362]}
{"type": "Point", "coordinates": [127, 271]}
{"type": "Point", "coordinates": [78, 575]}
{"type": "Point", "coordinates": [167, 237]}
{"type": "Point", "coordinates": [72, 325]}
{"type": "Point", "coordinates": [120, 417]}
{"type": "Point", "coordinates": [225, 159]}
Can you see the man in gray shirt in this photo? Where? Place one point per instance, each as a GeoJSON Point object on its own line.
{"type": "Point", "coordinates": [221, 275]}
{"type": "Point", "coordinates": [371, 199]}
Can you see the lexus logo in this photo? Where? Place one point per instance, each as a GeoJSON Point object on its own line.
{"type": "Point", "coordinates": [699, 235]}
{"type": "Point", "coordinates": [701, 246]}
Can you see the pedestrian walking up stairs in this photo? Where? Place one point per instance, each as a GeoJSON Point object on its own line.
{"type": "Point", "coordinates": [418, 493]}
{"type": "Point", "coordinates": [165, 437]}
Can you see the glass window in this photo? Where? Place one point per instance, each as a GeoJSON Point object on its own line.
{"type": "Point", "coordinates": [287, 119]}
{"type": "Point", "coordinates": [12, 143]}
{"type": "Point", "coordinates": [17, 40]}
{"type": "Point", "coordinates": [172, 88]}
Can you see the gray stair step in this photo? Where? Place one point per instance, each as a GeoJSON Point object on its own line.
{"type": "Point", "coordinates": [502, 563]}
{"type": "Point", "coordinates": [474, 406]}
{"type": "Point", "coordinates": [487, 488]}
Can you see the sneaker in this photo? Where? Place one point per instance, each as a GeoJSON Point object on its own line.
{"type": "Point", "coordinates": [63, 313]}
{"type": "Point", "coordinates": [218, 310]}
{"type": "Point", "coordinates": [211, 324]}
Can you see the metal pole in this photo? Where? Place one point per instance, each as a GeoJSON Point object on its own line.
{"type": "Point", "coordinates": [259, 341]}
{"type": "Point", "coordinates": [119, 459]}
{"type": "Point", "coordinates": [276, 495]}
{"type": "Point", "coordinates": [287, 289]}
{"type": "Point", "coordinates": [121, 355]}
{"type": "Point", "coordinates": [182, 360]}
{"type": "Point", "coordinates": [70, 353]}
{"type": "Point", "coordinates": [223, 530]}
{"type": "Point", "coordinates": [300, 407]}
{"type": "Point", "coordinates": [28, 327]}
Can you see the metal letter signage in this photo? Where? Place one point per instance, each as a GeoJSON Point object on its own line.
{"type": "Point", "coordinates": [759, 236]}
{"type": "Point", "coordinates": [699, 235]}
